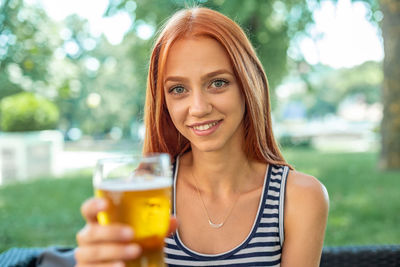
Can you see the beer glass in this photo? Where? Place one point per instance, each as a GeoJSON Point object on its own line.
{"type": "Point", "coordinates": [138, 189]}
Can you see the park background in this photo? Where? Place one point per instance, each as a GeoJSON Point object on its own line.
{"type": "Point", "coordinates": [72, 86]}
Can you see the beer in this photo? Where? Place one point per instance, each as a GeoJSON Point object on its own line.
{"type": "Point", "coordinates": [144, 204]}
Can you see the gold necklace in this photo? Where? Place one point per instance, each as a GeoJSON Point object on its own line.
{"type": "Point", "coordinates": [214, 225]}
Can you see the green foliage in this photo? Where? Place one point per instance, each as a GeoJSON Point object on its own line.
{"type": "Point", "coordinates": [120, 80]}
{"type": "Point", "coordinates": [34, 55]}
{"type": "Point", "coordinates": [28, 39]}
{"type": "Point", "coordinates": [27, 112]}
{"type": "Point", "coordinates": [327, 88]}
{"type": "Point", "coordinates": [287, 140]}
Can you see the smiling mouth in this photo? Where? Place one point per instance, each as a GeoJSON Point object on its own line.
{"type": "Point", "coordinates": [205, 127]}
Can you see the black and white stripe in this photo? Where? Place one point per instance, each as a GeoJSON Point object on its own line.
{"type": "Point", "coordinates": [263, 245]}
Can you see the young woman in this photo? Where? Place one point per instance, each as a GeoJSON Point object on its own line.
{"type": "Point", "coordinates": [237, 201]}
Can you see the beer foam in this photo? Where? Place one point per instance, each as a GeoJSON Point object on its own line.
{"type": "Point", "coordinates": [138, 183]}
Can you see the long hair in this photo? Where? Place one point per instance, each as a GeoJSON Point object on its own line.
{"type": "Point", "coordinates": [161, 134]}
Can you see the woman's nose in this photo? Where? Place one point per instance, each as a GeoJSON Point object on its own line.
{"type": "Point", "coordinates": [200, 105]}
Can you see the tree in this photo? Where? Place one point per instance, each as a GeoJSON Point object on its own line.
{"type": "Point", "coordinates": [390, 127]}
{"type": "Point", "coordinates": [27, 41]}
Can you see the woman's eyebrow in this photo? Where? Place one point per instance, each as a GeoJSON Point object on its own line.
{"type": "Point", "coordinates": [203, 77]}
{"type": "Point", "coordinates": [176, 79]}
{"type": "Point", "coordinates": [215, 73]}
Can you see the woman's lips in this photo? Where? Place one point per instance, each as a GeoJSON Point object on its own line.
{"type": "Point", "coordinates": [206, 128]}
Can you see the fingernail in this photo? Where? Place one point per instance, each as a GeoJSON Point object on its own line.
{"type": "Point", "coordinates": [101, 204]}
{"type": "Point", "coordinates": [119, 264]}
{"type": "Point", "coordinates": [132, 250]}
{"type": "Point", "coordinates": [127, 233]}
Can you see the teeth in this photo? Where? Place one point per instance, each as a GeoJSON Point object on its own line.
{"type": "Point", "coordinates": [205, 126]}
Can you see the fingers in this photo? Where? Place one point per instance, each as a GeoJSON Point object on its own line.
{"type": "Point", "coordinates": [173, 225]}
{"type": "Point", "coordinates": [106, 245]}
{"type": "Point", "coordinates": [91, 207]}
{"type": "Point", "coordinates": [108, 264]}
{"type": "Point", "coordinates": [95, 233]}
{"type": "Point", "coordinates": [107, 252]}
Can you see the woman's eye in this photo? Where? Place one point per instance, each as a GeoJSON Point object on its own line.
{"type": "Point", "coordinates": [219, 83]}
{"type": "Point", "coordinates": [177, 90]}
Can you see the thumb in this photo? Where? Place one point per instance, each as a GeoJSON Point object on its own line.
{"type": "Point", "coordinates": [173, 225]}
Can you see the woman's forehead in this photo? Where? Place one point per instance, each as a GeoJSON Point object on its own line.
{"type": "Point", "coordinates": [196, 53]}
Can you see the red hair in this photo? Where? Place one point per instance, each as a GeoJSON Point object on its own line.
{"type": "Point", "coordinates": [161, 134]}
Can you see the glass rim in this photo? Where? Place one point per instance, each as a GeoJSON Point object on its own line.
{"type": "Point", "coordinates": [129, 158]}
{"type": "Point", "coordinates": [105, 165]}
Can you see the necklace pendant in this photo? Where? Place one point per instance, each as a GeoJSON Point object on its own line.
{"type": "Point", "coordinates": [215, 225]}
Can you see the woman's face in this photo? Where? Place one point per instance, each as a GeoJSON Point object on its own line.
{"type": "Point", "coordinates": [202, 94]}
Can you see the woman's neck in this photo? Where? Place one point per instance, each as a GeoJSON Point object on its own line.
{"type": "Point", "coordinates": [219, 173]}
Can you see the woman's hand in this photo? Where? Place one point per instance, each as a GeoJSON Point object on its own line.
{"type": "Point", "coordinates": [109, 245]}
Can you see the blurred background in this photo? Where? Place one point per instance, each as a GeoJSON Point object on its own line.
{"type": "Point", "coordinates": [72, 86]}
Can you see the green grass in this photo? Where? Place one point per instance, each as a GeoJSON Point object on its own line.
{"type": "Point", "coordinates": [43, 212]}
{"type": "Point", "coordinates": [364, 202]}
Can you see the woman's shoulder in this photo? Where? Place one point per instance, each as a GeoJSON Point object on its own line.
{"type": "Point", "coordinates": [306, 191]}
{"type": "Point", "coordinates": [303, 183]}
{"type": "Point", "coordinates": [305, 217]}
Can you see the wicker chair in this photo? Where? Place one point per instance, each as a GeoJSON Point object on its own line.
{"type": "Point", "coordinates": [361, 256]}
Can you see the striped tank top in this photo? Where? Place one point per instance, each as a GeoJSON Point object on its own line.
{"type": "Point", "coordinates": [263, 245]}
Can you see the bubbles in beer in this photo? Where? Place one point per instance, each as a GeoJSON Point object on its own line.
{"type": "Point", "coordinates": [142, 203]}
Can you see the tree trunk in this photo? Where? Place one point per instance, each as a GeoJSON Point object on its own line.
{"type": "Point", "coordinates": [390, 127]}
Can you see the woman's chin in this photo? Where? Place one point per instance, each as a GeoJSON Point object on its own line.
{"type": "Point", "coordinates": [207, 147]}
